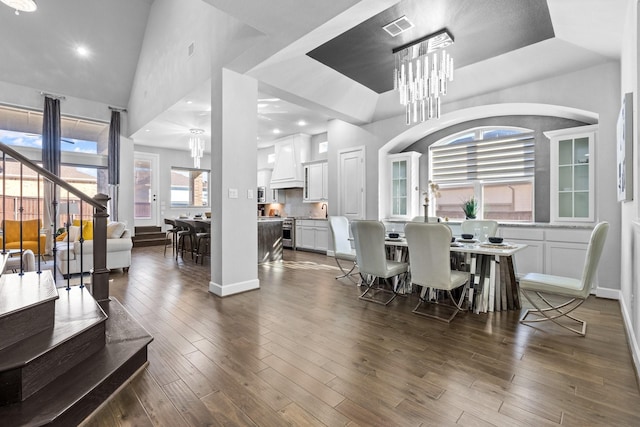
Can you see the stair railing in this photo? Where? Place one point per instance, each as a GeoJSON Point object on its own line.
{"type": "Point", "coordinates": [100, 275]}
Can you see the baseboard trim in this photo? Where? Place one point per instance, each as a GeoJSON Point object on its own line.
{"type": "Point", "coordinates": [234, 288]}
{"type": "Point", "coordinates": [608, 293]}
{"type": "Point", "coordinates": [633, 343]}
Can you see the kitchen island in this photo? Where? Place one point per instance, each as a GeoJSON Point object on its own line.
{"type": "Point", "coordinates": [269, 239]}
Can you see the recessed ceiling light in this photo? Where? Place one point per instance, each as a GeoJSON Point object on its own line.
{"type": "Point", "coordinates": [302, 123]}
{"type": "Point", "coordinates": [147, 130]}
{"type": "Point", "coordinates": [276, 131]}
{"type": "Point", "coordinates": [189, 102]}
{"type": "Point", "coordinates": [82, 51]}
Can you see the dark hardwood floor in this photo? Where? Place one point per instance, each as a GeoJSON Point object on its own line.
{"type": "Point", "coordinates": [303, 350]}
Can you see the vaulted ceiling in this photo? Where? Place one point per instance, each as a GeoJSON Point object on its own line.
{"type": "Point", "coordinates": [326, 59]}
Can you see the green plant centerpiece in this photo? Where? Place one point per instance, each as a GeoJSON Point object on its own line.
{"type": "Point", "coordinates": [470, 208]}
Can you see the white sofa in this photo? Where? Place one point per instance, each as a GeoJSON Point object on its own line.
{"type": "Point", "coordinates": [118, 254]}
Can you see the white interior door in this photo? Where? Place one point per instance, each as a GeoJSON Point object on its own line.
{"type": "Point", "coordinates": [351, 183]}
{"type": "Point", "coordinates": [145, 189]}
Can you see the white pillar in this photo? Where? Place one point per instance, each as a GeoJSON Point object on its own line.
{"type": "Point", "coordinates": [234, 227]}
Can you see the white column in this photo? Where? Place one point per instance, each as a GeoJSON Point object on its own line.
{"type": "Point", "coordinates": [234, 243]}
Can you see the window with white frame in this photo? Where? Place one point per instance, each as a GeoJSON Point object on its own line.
{"type": "Point", "coordinates": [495, 165]}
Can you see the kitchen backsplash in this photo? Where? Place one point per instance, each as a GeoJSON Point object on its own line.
{"type": "Point", "coordinates": [294, 206]}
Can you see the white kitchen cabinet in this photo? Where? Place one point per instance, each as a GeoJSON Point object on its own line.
{"type": "Point", "coordinates": [404, 181]}
{"type": "Point", "coordinates": [291, 152]}
{"type": "Point", "coordinates": [316, 179]}
{"type": "Point", "coordinates": [312, 235]}
{"type": "Point", "coordinates": [572, 174]}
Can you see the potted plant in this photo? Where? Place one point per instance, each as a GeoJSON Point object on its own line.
{"type": "Point", "coordinates": [470, 207]}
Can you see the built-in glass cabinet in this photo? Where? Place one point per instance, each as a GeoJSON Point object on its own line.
{"type": "Point", "coordinates": [403, 177]}
{"type": "Point", "coordinates": [572, 173]}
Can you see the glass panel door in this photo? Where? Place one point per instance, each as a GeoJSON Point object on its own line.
{"type": "Point", "coordinates": [145, 192]}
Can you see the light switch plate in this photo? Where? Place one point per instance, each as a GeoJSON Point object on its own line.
{"type": "Point", "coordinates": [233, 193]}
{"type": "Point", "coordinates": [249, 194]}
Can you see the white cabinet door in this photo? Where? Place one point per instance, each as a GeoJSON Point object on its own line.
{"type": "Point", "coordinates": [307, 237]}
{"type": "Point", "coordinates": [351, 183]}
{"type": "Point", "coordinates": [322, 238]}
{"type": "Point", "coordinates": [325, 181]}
{"type": "Point", "coordinates": [572, 174]}
{"type": "Point", "coordinates": [403, 181]}
{"type": "Point", "coordinates": [315, 182]}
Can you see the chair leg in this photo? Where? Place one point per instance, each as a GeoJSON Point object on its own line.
{"type": "Point", "coordinates": [369, 283]}
{"type": "Point", "coordinates": [542, 311]}
{"type": "Point", "coordinates": [454, 310]}
{"type": "Point", "coordinates": [347, 274]}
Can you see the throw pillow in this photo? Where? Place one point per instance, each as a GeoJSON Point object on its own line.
{"type": "Point", "coordinates": [87, 230]}
{"type": "Point", "coordinates": [62, 237]}
{"type": "Point", "coordinates": [115, 229]}
{"type": "Point", "coordinates": [74, 233]}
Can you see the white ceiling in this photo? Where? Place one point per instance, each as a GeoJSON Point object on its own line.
{"type": "Point", "coordinates": [36, 50]}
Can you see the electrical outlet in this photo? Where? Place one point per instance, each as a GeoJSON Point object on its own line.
{"type": "Point", "coordinates": [233, 193]}
{"type": "Point", "coordinates": [249, 194]}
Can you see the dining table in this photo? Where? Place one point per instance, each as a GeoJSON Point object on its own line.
{"type": "Point", "coordinates": [492, 275]}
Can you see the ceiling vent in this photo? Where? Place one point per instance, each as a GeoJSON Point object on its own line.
{"type": "Point", "coordinates": [191, 48]}
{"type": "Point", "coordinates": [398, 26]}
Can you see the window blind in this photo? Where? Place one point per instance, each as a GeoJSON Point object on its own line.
{"type": "Point", "coordinates": [496, 159]}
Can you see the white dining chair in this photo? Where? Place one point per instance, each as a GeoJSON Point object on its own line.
{"type": "Point", "coordinates": [573, 291]}
{"type": "Point", "coordinates": [478, 227]}
{"type": "Point", "coordinates": [342, 250]}
{"type": "Point", "coordinates": [371, 258]}
{"type": "Point", "coordinates": [430, 261]}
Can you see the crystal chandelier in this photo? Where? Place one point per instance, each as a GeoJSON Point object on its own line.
{"type": "Point", "coordinates": [196, 145]}
{"type": "Point", "coordinates": [422, 71]}
{"type": "Point", "coordinates": [21, 5]}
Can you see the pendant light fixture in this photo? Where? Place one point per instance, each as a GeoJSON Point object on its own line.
{"type": "Point", "coordinates": [21, 5]}
{"type": "Point", "coordinates": [421, 74]}
{"type": "Point", "coordinates": [196, 145]}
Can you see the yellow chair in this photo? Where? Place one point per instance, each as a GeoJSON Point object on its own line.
{"type": "Point", "coordinates": [30, 235]}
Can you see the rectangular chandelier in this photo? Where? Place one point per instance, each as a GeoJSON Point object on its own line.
{"type": "Point", "coordinates": [422, 71]}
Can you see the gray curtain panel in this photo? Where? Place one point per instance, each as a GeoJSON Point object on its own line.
{"type": "Point", "coordinates": [114, 148]}
{"type": "Point", "coordinates": [114, 164]}
{"type": "Point", "coordinates": [51, 135]}
{"type": "Point", "coordinates": [51, 162]}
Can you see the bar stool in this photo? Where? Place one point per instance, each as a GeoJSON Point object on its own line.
{"type": "Point", "coordinates": [173, 231]}
{"type": "Point", "coordinates": [186, 232]}
{"type": "Point", "coordinates": [203, 240]}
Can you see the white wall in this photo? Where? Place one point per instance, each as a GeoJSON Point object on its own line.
{"type": "Point", "coordinates": [630, 211]}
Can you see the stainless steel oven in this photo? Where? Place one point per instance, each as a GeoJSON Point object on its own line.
{"type": "Point", "coordinates": [289, 233]}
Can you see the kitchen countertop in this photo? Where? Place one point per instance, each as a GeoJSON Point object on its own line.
{"type": "Point", "coordinates": [270, 218]}
{"type": "Point", "coordinates": [312, 218]}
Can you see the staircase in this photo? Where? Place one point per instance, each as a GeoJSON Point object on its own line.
{"type": "Point", "coordinates": [149, 236]}
{"type": "Point", "coordinates": [62, 353]}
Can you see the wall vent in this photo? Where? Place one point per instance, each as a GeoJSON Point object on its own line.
{"type": "Point", "coordinates": [398, 26]}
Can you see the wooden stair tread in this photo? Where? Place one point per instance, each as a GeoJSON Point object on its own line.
{"type": "Point", "coordinates": [21, 291]}
{"type": "Point", "coordinates": [75, 394]}
{"type": "Point", "coordinates": [76, 311]}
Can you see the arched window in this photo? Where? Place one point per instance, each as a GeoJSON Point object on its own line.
{"type": "Point", "coordinates": [495, 165]}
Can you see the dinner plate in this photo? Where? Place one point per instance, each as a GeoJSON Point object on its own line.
{"type": "Point", "coordinates": [394, 239]}
{"type": "Point", "coordinates": [467, 240]}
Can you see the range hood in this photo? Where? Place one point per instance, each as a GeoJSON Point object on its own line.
{"type": "Point", "coordinates": [291, 152]}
